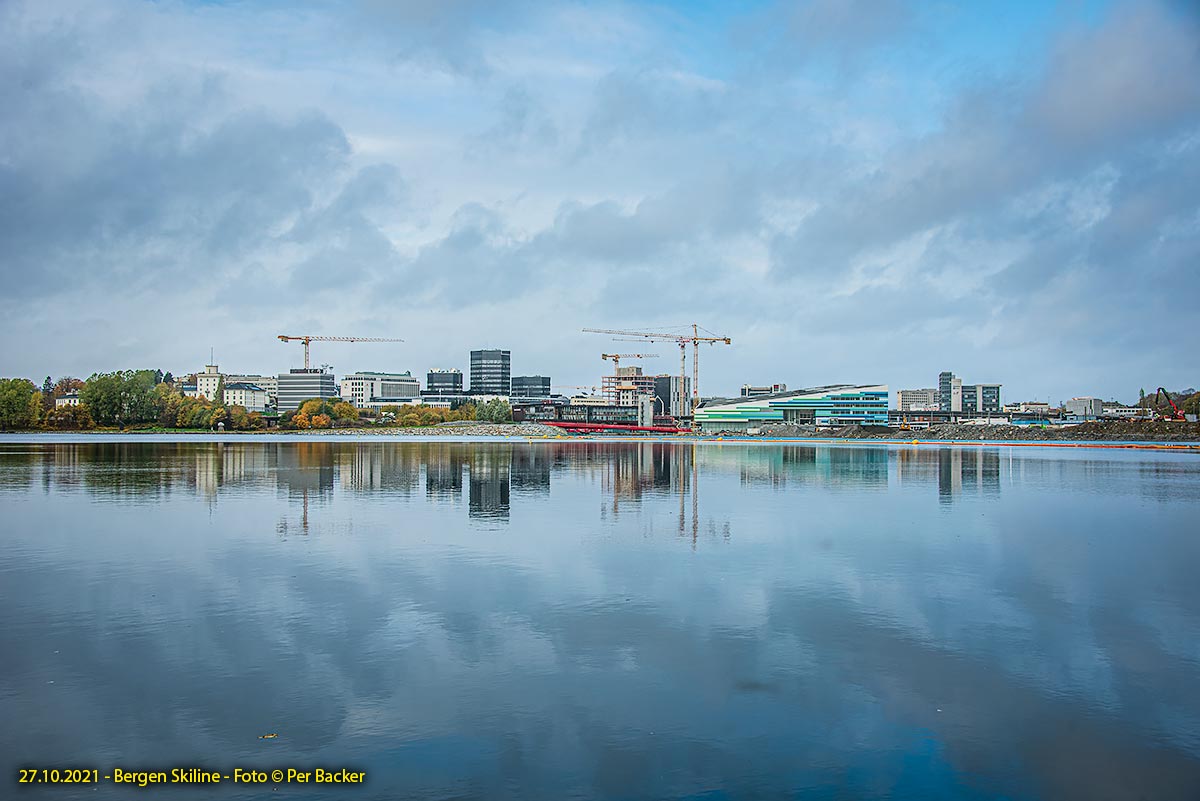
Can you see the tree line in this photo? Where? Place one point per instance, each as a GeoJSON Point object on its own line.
{"type": "Point", "coordinates": [122, 399]}
{"type": "Point", "coordinates": [148, 398]}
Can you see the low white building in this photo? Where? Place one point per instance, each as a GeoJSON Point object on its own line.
{"type": "Point", "coordinates": [250, 396]}
{"type": "Point", "coordinates": [1127, 412]}
{"type": "Point", "coordinates": [363, 387]}
{"type": "Point", "coordinates": [1084, 407]}
{"type": "Point", "coordinates": [68, 399]}
{"type": "Point", "coordinates": [590, 400]}
{"type": "Point", "coordinates": [377, 404]}
{"type": "Point", "coordinates": [269, 383]}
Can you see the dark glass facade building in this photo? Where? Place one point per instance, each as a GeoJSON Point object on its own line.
{"type": "Point", "coordinates": [444, 382]}
{"type": "Point", "coordinates": [491, 372]}
{"type": "Point", "coordinates": [531, 386]}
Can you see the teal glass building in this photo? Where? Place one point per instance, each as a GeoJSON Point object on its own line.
{"type": "Point", "coordinates": [833, 405]}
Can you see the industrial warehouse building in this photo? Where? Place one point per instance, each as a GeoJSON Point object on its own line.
{"type": "Point", "coordinates": [833, 405]}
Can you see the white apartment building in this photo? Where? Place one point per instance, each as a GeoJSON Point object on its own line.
{"type": "Point", "coordinates": [207, 382]}
{"type": "Point", "coordinates": [68, 399]}
{"type": "Point", "coordinates": [250, 396]}
{"type": "Point", "coordinates": [269, 383]}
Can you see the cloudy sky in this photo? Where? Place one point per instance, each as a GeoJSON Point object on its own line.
{"type": "Point", "coordinates": [853, 191]}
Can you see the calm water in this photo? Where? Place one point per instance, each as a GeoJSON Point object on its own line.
{"type": "Point", "coordinates": [605, 620]}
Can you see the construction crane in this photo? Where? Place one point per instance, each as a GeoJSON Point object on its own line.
{"type": "Point", "coordinates": [616, 357]}
{"type": "Point", "coordinates": [309, 338]}
{"type": "Point", "coordinates": [680, 339]}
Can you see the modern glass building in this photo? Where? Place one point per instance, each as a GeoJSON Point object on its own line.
{"type": "Point", "coordinates": [447, 382]}
{"type": "Point", "coordinates": [531, 386]}
{"type": "Point", "coordinates": [491, 372]}
{"type": "Point", "coordinates": [833, 405]}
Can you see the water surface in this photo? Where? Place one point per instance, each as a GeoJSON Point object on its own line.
{"type": "Point", "coordinates": [555, 620]}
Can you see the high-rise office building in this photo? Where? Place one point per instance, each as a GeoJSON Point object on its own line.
{"type": "Point", "coordinates": [491, 372]}
{"type": "Point", "coordinates": [956, 396]}
{"type": "Point", "coordinates": [945, 390]}
{"type": "Point", "coordinates": [672, 395]}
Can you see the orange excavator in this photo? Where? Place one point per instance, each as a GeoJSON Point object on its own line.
{"type": "Point", "coordinates": [1176, 412]}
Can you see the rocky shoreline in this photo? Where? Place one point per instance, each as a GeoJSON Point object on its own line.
{"type": "Point", "coordinates": [1115, 431]}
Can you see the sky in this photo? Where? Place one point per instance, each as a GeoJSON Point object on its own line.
{"type": "Point", "coordinates": [853, 191]}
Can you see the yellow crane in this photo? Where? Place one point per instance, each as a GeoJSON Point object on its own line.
{"type": "Point", "coordinates": [680, 339]}
{"type": "Point", "coordinates": [307, 338]}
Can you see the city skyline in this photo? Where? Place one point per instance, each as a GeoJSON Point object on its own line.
{"type": "Point", "coordinates": [851, 191]}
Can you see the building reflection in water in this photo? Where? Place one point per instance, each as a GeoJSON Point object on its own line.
{"type": "Point", "coordinates": [490, 471]}
{"type": "Point", "coordinates": [958, 470]}
{"type": "Point", "coordinates": [444, 465]}
{"type": "Point", "coordinates": [862, 467]}
{"type": "Point", "coordinates": [488, 478]}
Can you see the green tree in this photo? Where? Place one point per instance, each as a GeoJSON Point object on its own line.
{"type": "Point", "coordinates": [121, 398]}
{"type": "Point", "coordinates": [19, 403]}
{"type": "Point", "coordinates": [1191, 405]}
{"type": "Point", "coordinates": [495, 411]}
{"type": "Point", "coordinates": [219, 395]}
{"type": "Point", "coordinates": [47, 394]}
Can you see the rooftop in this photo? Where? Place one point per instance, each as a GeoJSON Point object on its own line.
{"type": "Point", "coordinates": [824, 390]}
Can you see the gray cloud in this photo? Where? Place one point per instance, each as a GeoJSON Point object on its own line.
{"type": "Point", "coordinates": [213, 185]}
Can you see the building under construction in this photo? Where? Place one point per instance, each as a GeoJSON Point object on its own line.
{"type": "Point", "coordinates": [670, 392]}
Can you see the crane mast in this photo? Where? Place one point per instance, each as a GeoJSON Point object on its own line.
{"type": "Point", "coordinates": [680, 339]}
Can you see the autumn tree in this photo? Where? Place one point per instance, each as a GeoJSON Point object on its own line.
{"type": "Point", "coordinates": [66, 385]}
{"type": "Point", "coordinates": [69, 418]}
{"type": "Point", "coordinates": [345, 411]}
{"type": "Point", "coordinates": [314, 406]}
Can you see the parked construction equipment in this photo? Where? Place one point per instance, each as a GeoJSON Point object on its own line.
{"type": "Point", "coordinates": [1176, 412]}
